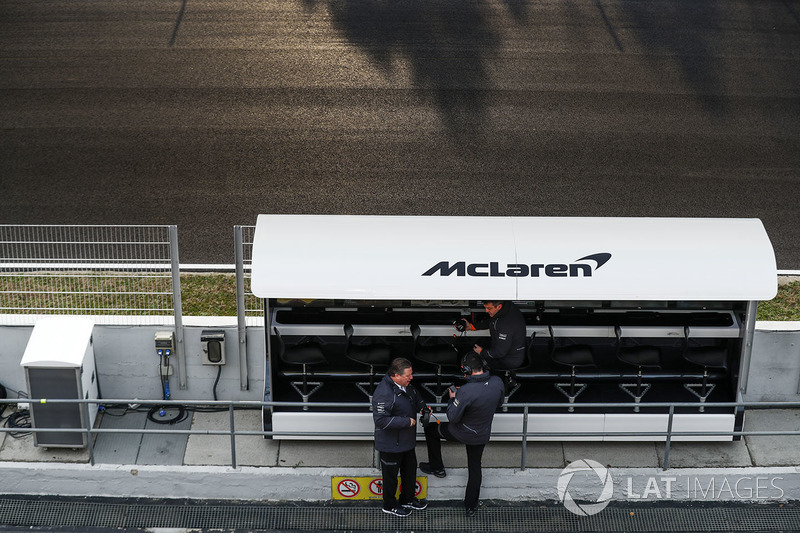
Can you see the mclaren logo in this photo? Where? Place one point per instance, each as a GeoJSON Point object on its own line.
{"type": "Point", "coordinates": [522, 270]}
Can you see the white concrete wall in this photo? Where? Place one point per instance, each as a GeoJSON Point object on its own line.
{"type": "Point", "coordinates": [128, 367]}
{"type": "Point", "coordinates": [775, 363]}
{"type": "Point", "coordinates": [13, 340]}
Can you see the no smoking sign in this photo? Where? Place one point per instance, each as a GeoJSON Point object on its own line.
{"type": "Point", "coordinates": [350, 488]}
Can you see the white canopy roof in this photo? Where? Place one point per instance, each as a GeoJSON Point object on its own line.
{"type": "Point", "coordinates": [512, 258]}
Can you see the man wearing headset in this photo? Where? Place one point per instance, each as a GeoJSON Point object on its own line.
{"type": "Point", "coordinates": [470, 412]}
{"type": "Point", "coordinates": [506, 327]}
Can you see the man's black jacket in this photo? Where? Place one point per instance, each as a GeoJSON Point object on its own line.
{"type": "Point", "coordinates": [472, 410]}
{"type": "Point", "coordinates": [509, 338]}
{"type": "Point", "coordinates": [392, 411]}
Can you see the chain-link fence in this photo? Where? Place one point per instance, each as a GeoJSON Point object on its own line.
{"type": "Point", "coordinates": [130, 272]}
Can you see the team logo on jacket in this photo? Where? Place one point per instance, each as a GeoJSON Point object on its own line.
{"type": "Point", "coordinates": [576, 269]}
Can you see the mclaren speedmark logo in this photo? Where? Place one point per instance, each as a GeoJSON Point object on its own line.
{"type": "Point", "coordinates": [521, 270]}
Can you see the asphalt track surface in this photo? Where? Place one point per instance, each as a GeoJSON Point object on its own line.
{"type": "Point", "coordinates": [206, 113]}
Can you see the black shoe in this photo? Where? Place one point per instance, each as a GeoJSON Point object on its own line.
{"type": "Point", "coordinates": [470, 511]}
{"type": "Point", "coordinates": [510, 381]}
{"type": "Point", "coordinates": [416, 505]}
{"type": "Point", "coordinates": [426, 467]}
{"type": "Point", "coordinates": [398, 511]}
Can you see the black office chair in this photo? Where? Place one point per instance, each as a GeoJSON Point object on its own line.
{"type": "Point", "coordinates": [440, 355]}
{"type": "Point", "coordinates": [304, 354]}
{"type": "Point", "coordinates": [371, 354]}
{"type": "Point", "coordinates": [574, 356]}
{"type": "Point", "coordinates": [641, 356]}
{"type": "Point", "coordinates": [706, 357]}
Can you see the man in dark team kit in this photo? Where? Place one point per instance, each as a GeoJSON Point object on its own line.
{"type": "Point", "coordinates": [507, 332]}
{"type": "Point", "coordinates": [470, 412]}
{"type": "Point", "coordinates": [395, 406]}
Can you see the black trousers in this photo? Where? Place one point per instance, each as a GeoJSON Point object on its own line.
{"type": "Point", "coordinates": [404, 463]}
{"type": "Point", "coordinates": [434, 433]}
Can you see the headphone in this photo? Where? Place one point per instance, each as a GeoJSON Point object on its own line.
{"type": "Point", "coordinates": [466, 368]}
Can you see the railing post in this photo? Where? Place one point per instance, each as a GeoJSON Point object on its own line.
{"type": "Point", "coordinates": [177, 306]}
{"type": "Point", "coordinates": [89, 442]}
{"type": "Point", "coordinates": [268, 386]}
{"type": "Point", "coordinates": [524, 437]}
{"type": "Point", "coordinates": [241, 312]}
{"type": "Point", "coordinates": [233, 437]}
{"type": "Point", "coordinates": [669, 436]}
{"type": "Point", "coordinates": [747, 347]}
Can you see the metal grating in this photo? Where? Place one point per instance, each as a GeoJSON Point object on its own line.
{"type": "Point", "coordinates": [496, 516]}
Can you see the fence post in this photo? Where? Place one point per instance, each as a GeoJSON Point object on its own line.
{"type": "Point", "coordinates": [747, 347]}
{"type": "Point", "coordinates": [524, 437]}
{"type": "Point", "coordinates": [669, 436]}
{"type": "Point", "coordinates": [233, 437]}
{"type": "Point", "coordinates": [89, 441]}
{"type": "Point", "coordinates": [177, 306]}
{"type": "Point", "coordinates": [241, 312]}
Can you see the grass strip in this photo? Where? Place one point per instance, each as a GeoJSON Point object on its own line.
{"type": "Point", "coordinates": [201, 295]}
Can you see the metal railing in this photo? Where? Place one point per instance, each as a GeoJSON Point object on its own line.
{"type": "Point", "coordinates": [524, 435]}
{"type": "Point", "coordinates": [131, 272]}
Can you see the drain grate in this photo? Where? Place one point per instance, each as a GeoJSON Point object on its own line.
{"type": "Point", "coordinates": [495, 517]}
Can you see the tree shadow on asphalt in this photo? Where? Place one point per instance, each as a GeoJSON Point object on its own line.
{"type": "Point", "coordinates": [450, 46]}
{"type": "Point", "coordinates": [446, 45]}
{"type": "Point", "coordinates": [684, 30]}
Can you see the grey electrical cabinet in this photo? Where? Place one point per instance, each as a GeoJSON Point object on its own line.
{"type": "Point", "coordinates": [59, 364]}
